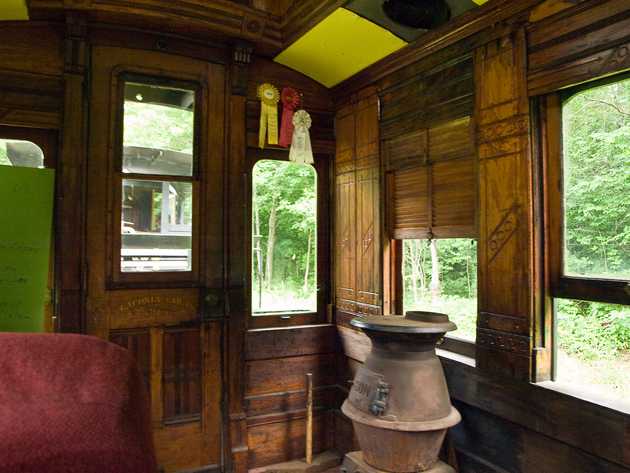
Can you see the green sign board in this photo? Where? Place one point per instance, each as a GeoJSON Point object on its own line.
{"type": "Point", "coordinates": [26, 216]}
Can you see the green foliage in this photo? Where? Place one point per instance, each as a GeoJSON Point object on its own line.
{"type": "Point", "coordinates": [592, 330]}
{"type": "Point", "coordinates": [457, 260]}
{"type": "Point", "coordinates": [596, 138]}
{"type": "Point", "coordinates": [157, 126]}
{"type": "Point", "coordinates": [290, 189]}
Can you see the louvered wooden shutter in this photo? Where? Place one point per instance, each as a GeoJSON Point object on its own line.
{"type": "Point", "coordinates": [432, 184]}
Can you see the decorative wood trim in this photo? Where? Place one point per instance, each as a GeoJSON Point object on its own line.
{"type": "Point", "coordinates": [192, 17]}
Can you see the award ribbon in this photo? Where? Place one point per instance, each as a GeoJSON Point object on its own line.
{"type": "Point", "coordinates": [290, 101]}
{"type": "Point", "coordinates": [301, 151]}
{"type": "Point", "coordinates": [269, 98]}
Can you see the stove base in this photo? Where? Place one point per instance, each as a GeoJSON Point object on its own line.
{"type": "Point", "coordinates": [354, 463]}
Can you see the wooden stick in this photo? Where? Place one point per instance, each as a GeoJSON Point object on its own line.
{"type": "Point", "coordinates": [309, 418]}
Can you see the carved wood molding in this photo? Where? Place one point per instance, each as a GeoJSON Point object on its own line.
{"type": "Point", "coordinates": [513, 343]}
{"type": "Point", "coordinates": [232, 19]}
{"type": "Point", "coordinates": [503, 323]}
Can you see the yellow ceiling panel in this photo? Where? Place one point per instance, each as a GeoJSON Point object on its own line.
{"type": "Point", "coordinates": [13, 10]}
{"type": "Point", "coordinates": [338, 47]}
{"type": "Point", "coordinates": [480, 2]}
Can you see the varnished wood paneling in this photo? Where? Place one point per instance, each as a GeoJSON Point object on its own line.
{"type": "Point", "coordinates": [505, 202]}
{"type": "Point", "coordinates": [287, 374]}
{"type": "Point", "coordinates": [324, 397]}
{"type": "Point", "coordinates": [275, 442]}
{"type": "Point", "coordinates": [182, 374]}
{"type": "Point", "coordinates": [32, 48]}
{"type": "Point", "coordinates": [584, 42]}
{"type": "Point", "coordinates": [368, 239]}
{"type": "Point", "coordinates": [139, 344]}
{"type": "Point", "coordinates": [357, 206]}
{"type": "Point", "coordinates": [289, 341]}
{"type": "Point", "coordinates": [345, 241]}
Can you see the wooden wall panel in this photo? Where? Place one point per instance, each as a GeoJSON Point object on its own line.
{"type": "Point", "coordinates": [277, 361]}
{"type": "Point", "coordinates": [345, 241]}
{"type": "Point", "coordinates": [283, 342]}
{"type": "Point", "coordinates": [32, 48]}
{"type": "Point", "coordinates": [287, 374]}
{"type": "Point", "coordinates": [357, 206]}
{"type": "Point", "coordinates": [505, 203]}
{"type": "Point", "coordinates": [439, 94]}
{"type": "Point", "coordinates": [584, 42]}
{"type": "Point", "coordinates": [368, 241]}
{"type": "Point", "coordinates": [181, 374]}
{"type": "Point", "coordinates": [275, 442]}
{"type": "Point", "coordinates": [139, 344]}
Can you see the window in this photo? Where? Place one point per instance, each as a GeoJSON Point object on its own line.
{"type": "Point", "coordinates": [593, 347]}
{"type": "Point", "coordinates": [596, 182]}
{"type": "Point", "coordinates": [20, 153]}
{"type": "Point", "coordinates": [284, 238]}
{"type": "Point", "coordinates": [157, 177]}
{"type": "Point", "coordinates": [588, 236]}
{"type": "Point", "coordinates": [440, 275]}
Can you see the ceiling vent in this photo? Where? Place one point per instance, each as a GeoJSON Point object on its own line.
{"type": "Point", "coordinates": [419, 14]}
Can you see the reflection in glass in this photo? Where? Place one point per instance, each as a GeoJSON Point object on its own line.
{"type": "Point", "coordinates": [284, 238]}
{"type": "Point", "coordinates": [21, 153]}
{"type": "Point", "coordinates": [441, 276]}
{"type": "Point", "coordinates": [596, 171]}
{"type": "Point", "coordinates": [158, 130]}
{"type": "Point", "coordinates": [156, 231]}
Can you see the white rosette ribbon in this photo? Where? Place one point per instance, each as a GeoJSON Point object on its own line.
{"type": "Point", "coordinates": [301, 151]}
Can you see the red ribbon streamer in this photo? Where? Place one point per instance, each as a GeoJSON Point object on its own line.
{"type": "Point", "coordinates": [290, 101]}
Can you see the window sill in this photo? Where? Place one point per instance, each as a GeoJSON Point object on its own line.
{"type": "Point", "coordinates": [586, 396]}
{"type": "Point", "coordinates": [463, 359]}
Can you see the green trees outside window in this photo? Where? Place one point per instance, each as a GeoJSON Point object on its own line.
{"type": "Point", "coordinates": [593, 339]}
{"type": "Point", "coordinates": [441, 276]}
{"type": "Point", "coordinates": [284, 237]}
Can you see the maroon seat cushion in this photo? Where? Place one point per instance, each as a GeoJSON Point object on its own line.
{"type": "Point", "coordinates": [71, 403]}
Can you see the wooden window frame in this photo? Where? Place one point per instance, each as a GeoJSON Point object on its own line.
{"type": "Point", "coordinates": [560, 285]}
{"type": "Point", "coordinates": [394, 287]}
{"type": "Point", "coordinates": [117, 278]}
{"type": "Point", "coordinates": [320, 316]}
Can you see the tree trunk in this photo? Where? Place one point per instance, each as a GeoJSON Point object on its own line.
{"type": "Point", "coordinates": [271, 243]}
{"type": "Point", "coordinates": [436, 286]}
{"type": "Point", "coordinates": [258, 251]}
{"type": "Point", "coordinates": [308, 261]}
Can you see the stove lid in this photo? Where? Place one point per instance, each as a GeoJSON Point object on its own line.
{"type": "Point", "coordinates": [413, 322]}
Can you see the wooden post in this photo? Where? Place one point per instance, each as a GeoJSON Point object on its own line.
{"type": "Point", "coordinates": [309, 418]}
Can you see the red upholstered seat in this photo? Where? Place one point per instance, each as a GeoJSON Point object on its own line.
{"type": "Point", "coordinates": [71, 403]}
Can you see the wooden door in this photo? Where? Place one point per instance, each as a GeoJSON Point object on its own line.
{"type": "Point", "coordinates": [156, 313]}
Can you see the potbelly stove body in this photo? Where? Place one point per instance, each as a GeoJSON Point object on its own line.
{"type": "Point", "coordinates": [399, 402]}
